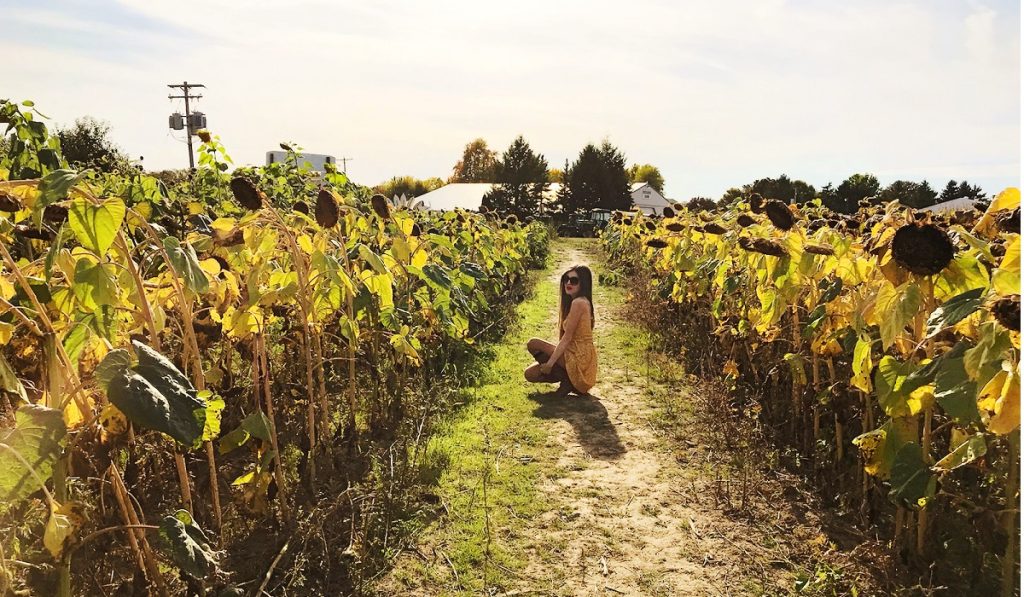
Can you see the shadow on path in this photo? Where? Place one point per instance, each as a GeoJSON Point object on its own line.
{"type": "Point", "coordinates": [589, 419]}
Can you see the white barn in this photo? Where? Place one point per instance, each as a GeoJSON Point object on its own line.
{"type": "Point", "coordinates": [951, 205]}
{"type": "Point", "coordinates": [647, 199]}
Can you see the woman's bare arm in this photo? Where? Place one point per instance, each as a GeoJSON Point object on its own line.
{"type": "Point", "coordinates": [580, 308]}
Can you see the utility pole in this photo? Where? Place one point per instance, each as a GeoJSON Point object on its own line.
{"type": "Point", "coordinates": [190, 128]}
{"type": "Point", "coordinates": [344, 165]}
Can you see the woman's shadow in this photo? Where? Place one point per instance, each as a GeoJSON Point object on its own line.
{"type": "Point", "coordinates": [589, 419]}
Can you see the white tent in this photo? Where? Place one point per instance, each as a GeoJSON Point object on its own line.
{"type": "Point", "coordinates": [952, 205]}
{"type": "Point", "coordinates": [470, 195]}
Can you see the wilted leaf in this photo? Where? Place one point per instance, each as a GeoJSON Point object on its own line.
{"type": "Point", "coordinates": [187, 544]}
{"type": "Point", "coordinates": [34, 440]}
{"type": "Point", "coordinates": [156, 395]}
{"type": "Point", "coordinates": [970, 450]}
{"type": "Point", "coordinates": [954, 310]}
{"type": "Point", "coordinates": [186, 265]}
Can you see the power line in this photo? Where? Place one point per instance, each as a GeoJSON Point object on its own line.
{"type": "Point", "coordinates": [194, 122]}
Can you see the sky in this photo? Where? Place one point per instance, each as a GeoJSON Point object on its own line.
{"type": "Point", "coordinates": [716, 94]}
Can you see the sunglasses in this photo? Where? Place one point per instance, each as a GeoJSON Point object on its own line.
{"type": "Point", "coordinates": [574, 280]}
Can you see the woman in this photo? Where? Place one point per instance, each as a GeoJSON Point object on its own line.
{"type": "Point", "coordinates": [573, 361]}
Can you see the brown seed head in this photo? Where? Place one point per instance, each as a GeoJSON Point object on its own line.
{"type": "Point", "coordinates": [745, 220]}
{"type": "Point", "coordinates": [9, 202]}
{"type": "Point", "coordinates": [764, 246]}
{"type": "Point", "coordinates": [714, 228]}
{"type": "Point", "coordinates": [1006, 310]}
{"type": "Point", "coordinates": [778, 212]}
{"type": "Point", "coordinates": [656, 243]}
{"type": "Point", "coordinates": [924, 250]}
{"type": "Point", "coordinates": [327, 212]}
{"type": "Point", "coordinates": [380, 206]}
{"type": "Point", "coordinates": [247, 194]}
{"type": "Point", "coordinates": [675, 226]}
{"type": "Point", "coordinates": [819, 249]}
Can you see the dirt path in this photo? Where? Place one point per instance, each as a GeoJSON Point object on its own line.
{"type": "Point", "coordinates": [624, 501]}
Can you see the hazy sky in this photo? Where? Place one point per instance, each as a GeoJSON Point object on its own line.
{"type": "Point", "coordinates": [716, 94]}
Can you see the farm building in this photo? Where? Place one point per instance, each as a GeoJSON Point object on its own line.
{"type": "Point", "coordinates": [647, 199]}
{"type": "Point", "coordinates": [951, 205]}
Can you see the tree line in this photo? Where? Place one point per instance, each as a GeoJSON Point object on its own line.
{"type": "Point", "coordinates": [598, 178]}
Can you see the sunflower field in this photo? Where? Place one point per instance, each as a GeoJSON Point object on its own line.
{"type": "Point", "coordinates": [191, 372]}
{"type": "Point", "coordinates": [882, 347]}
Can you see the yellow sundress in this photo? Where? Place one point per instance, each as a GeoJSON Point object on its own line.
{"type": "Point", "coordinates": [581, 356]}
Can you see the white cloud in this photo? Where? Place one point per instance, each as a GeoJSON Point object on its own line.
{"type": "Point", "coordinates": [715, 95]}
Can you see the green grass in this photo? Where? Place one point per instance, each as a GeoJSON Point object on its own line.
{"type": "Point", "coordinates": [493, 443]}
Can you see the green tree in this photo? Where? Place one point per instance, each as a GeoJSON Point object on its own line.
{"type": "Point", "coordinates": [963, 190]}
{"type": "Point", "coordinates": [909, 193]}
{"type": "Point", "coordinates": [476, 165]}
{"type": "Point", "coordinates": [649, 174]}
{"type": "Point", "coordinates": [732, 195]}
{"type": "Point", "coordinates": [597, 179]}
{"type": "Point", "coordinates": [408, 186]}
{"type": "Point", "coordinates": [783, 188]}
{"type": "Point", "coordinates": [846, 198]}
{"type": "Point", "coordinates": [87, 144]}
{"type": "Point", "coordinates": [522, 177]}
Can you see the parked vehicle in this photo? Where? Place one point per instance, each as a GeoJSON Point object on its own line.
{"type": "Point", "coordinates": [585, 224]}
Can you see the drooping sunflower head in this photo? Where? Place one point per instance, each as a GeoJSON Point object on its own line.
{"type": "Point", "coordinates": [247, 194]}
{"type": "Point", "coordinates": [326, 209]}
{"type": "Point", "coordinates": [922, 249]}
{"type": "Point", "coordinates": [780, 215]}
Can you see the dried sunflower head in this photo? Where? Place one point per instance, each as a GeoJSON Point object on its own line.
{"type": "Point", "coordinates": [778, 212]}
{"type": "Point", "coordinates": [1006, 310]}
{"type": "Point", "coordinates": [821, 249]}
{"type": "Point", "coordinates": [9, 202]}
{"type": "Point", "coordinates": [301, 207]}
{"type": "Point", "coordinates": [922, 249]}
{"type": "Point", "coordinates": [56, 214]}
{"type": "Point", "coordinates": [756, 203]}
{"type": "Point", "coordinates": [714, 228]}
{"type": "Point", "coordinates": [415, 230]}
{"type": "Point", "coordinates": [817, 224]}
{"type": "Point", "coordinates": [656, 243]}
{"type": "Point", "coordinates": [764, 246]}
{"type": "Point", "coordinates": [247, 194]}
{"type": "Point", "coordinates": [380, 206]}
{"type": "Point", "coordinates": [668, 212]}
{"type": "Point", "coordinates": [511, 219]}
{"type": "Point", "coordinates": [627, 221]}
{"type": "Point", "coordinates": [326, 209]}
{"type": "Point", "coordinates": [1009, 221]}
{"type": "Point", "coordinates": [651, 226]}
{"type": "Point", "coordinates": [745, 220]}
{"type": "Point", "coordinates": [675, 226]}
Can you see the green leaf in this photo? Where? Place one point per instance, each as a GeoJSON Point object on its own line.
{"type": "Point", "coordinates": [255, 425]}
{"type": "Point", "coordinates": [956, 393]}
{"type": "Point", "coordinates": [832, 290]}
{"type": "Point", "coordinates": [970, 450]}
{"type": "Point", "coordinates": [372, 259]}
{"type": "Point", "coordinates": [156, 395]}
{"type": "Point", "coordinates": [95, 284]}
{"type": "Point", "coordinates": [186, 263]}
{"type": "Point", "coordinates": [75, 339]}
{"type": "Point", "coordinates": [912, 481]}
{"type": "Point", "coordinates": [986, 357]}
{"type": "Point", "coordinates": [9, 381]}
{"type": "Point", "coordinates": [894, 383]}
{"type": "Point", "coordinates": [954, 310]}
{"type": "Point", "coordinates": [35, 440]}
{"type": "Point", "coordinates": [188, 545]}
{"type": "Point", "coordinates": [113, 365]}
{"type": "Point", "coordinates": [54, 187]}
{"type": "Point", "coordinates": [96, 226]}
{"type": "Point", "coordinates": [437, 277]}
{"type": "Point", "coordinates": [896, 307]}
{"type": "Point", "coordinates": [214, 409]}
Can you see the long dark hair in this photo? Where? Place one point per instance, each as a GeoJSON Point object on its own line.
{"type": "Point", "coordinates": [586, 291]}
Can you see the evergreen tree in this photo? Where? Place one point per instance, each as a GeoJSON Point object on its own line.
{"type": "Point", "coordinates": [521, 175]}
{"type": "Point", "coordinates": [614, 187]}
